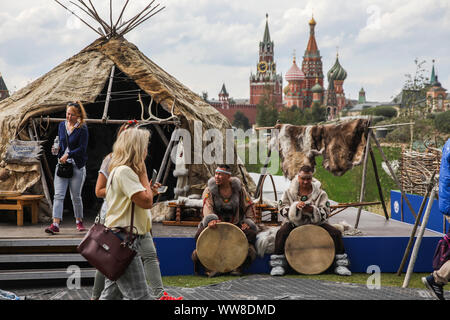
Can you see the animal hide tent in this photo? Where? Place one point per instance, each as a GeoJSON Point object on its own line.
{"type": "Point", "coordinates": [341, 145]}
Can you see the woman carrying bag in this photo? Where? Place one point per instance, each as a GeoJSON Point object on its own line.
{"type": "Point", "coordinates": [72, 157]}
{"type": "Point", "coordinates": [127, 184]}
{"type": "Point", "coordinates": [147, 248]}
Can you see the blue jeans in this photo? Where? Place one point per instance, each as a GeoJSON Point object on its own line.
{"type": "Point", "coordinates": [75, 185]}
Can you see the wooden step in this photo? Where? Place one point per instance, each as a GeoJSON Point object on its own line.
{"type": "Point", "coordinates": [32, 258]}
{"type": "Point", "coordinates": [43, 274]}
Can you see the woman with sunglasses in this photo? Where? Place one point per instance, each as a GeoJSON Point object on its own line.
{"type": "Point", "coordinates": [73, 140]}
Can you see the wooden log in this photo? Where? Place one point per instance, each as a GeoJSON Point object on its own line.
{"type": "Point", "coordinates": [111, 121]}
{"type": "Point", "coordinates": [394, 176]}
{"type": "Point", "coordinates": [363, 183]}
{"type": "Point", "coordinates": [108, 94]}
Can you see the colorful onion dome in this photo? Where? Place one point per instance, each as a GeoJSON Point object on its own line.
{"type": "Point", "coordinates": [317, 88]}
{"type": "Point", "coordinates": [312, 21]}
{"type": "Point", "coordinates": [337, 72]}
{"type": "Point", "coordinates": [294, 73]}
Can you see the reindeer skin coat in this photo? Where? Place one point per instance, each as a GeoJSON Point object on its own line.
{"type": "Point", "coordinates": [318, 199]}
{"type": "Point", "coordinates": [240, 203]}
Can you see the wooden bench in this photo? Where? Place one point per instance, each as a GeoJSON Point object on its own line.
{"type": "Point", "coordinates": [16, 202]}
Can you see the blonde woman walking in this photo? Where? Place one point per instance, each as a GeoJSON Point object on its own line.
{"type": "Point", "coordinates": [127, 183]}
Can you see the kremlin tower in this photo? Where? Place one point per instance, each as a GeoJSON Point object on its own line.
{"type": "Point", "coordinates": [266, 81]}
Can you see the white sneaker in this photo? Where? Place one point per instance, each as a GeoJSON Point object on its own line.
{"type": "Point", "coordinates": [277, 271]}
{"type": "Point", "coordinates": [342, 271]}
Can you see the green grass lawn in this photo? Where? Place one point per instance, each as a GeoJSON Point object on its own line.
{"type": "Point", "coordinates": [387, 279]}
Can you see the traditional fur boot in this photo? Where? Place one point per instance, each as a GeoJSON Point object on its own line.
{"type": "Point", "coordinates": [341, 264]}
{"type": "Point", "coordinates": [278, 264]}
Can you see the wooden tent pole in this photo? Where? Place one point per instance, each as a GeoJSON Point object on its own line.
{"type": "Point", "coordinates": [44, 158]}
{"type": "Point", "coordinates": [166, 158]}
{"type": "Point", "coordinates": [394, 176]}
{"type": "Point", "coordinates": [166, 163]}
{"type": "Point", "coordinates": [413, 233]}
{"type": "Point", "coordinates": [380, 190]}
{"type": "Point", "coordinates": [108, 96]}
{"type": "Point", "coordinates": [363, 182]}
{"type": "Point", "coordinates": [419, 238]}
{"type": "Point", "coordinates": [161, 134]}
{"type": "Point", "coordinates": [114, 121]}
{"type": "Point", "coordinates": [43, 180]}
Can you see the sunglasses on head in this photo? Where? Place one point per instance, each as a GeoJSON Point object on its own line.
{"type": "Point", "coordinates": [73, 104]}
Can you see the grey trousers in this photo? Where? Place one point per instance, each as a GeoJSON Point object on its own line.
{"type": "Point", "coordinates": [130, 286]}
{"type": "Point", "coordinates": [148, 262]}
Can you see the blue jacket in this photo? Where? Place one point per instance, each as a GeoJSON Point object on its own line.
{"type": "Point", "coordinates": [78, 141]}
{"type": "Point", "coordinates": [444, 180]}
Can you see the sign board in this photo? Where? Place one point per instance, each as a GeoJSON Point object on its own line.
{"type": "Point", "coordinates": [23, 151]}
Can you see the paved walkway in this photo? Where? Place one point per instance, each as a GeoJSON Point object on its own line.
{"type": "Point", "coordinates": [256, 287]}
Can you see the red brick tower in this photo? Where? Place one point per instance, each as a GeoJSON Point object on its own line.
{"type": "Point", "coordinates": [266, 81]}
{"type": "Point", "coordinates": [311, 66]}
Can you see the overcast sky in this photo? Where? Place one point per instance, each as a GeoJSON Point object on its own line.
{"type": "Point", "coordinates": [205, 43]}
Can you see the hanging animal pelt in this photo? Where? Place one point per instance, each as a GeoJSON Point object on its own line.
{"type": "Point", "coordinates": [341, 145]}
{"type": "Point", "coordinates": [23, 151]}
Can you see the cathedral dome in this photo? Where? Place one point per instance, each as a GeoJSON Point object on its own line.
{"type": "Point", "coordinates": [337, 72]}
{"type": "Point", "coordinates": [295, 73]}
{"type": "Point", "coordinates": [317, 88]}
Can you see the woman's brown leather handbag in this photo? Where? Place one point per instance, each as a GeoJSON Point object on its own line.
{"type": "Point", "coordinates": [109, 249]}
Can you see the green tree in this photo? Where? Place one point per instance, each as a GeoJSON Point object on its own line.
{"type": "Point", "coordinates": [442, 122]}
{"type": "Point", "coordinates": [318, 113]}
{"type": "Point", "coordinates": [241, 121]}
{"type": "Point", "coordinates": [266, 111]}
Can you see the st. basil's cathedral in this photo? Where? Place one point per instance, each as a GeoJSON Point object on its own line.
{"type": "Point", "coordinates": [305, 85]}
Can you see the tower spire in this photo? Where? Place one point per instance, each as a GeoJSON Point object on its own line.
{"type": "Point", "coordinates": [312, 45]}
{"type": "Point", "coordinates": [266, 38]}
{"type": "Point", "coordinates": [433, 75]}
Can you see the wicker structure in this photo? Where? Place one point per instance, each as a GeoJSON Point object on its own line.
{"type": "Point", "coordinates": [415, 168]}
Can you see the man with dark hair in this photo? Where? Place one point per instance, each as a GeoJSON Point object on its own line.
{"type": "Point", "coordinates": [304, 202]}
{"type": "Point", "coordinates": [225, 199]}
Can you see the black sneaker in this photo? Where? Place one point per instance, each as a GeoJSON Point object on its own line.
{"type": "Point", "coordinates": [436, 289]}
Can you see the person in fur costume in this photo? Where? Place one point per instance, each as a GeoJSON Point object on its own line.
{"type": "Point", "coordinates": [225, 200]}
{"type": "Point", "coordinates": [304, 202]}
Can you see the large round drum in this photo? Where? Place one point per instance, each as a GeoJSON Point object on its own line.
{"type": "Point", "coordinates": [222, 249]}
{"type": "Point", "coordinates": [309, 249]}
